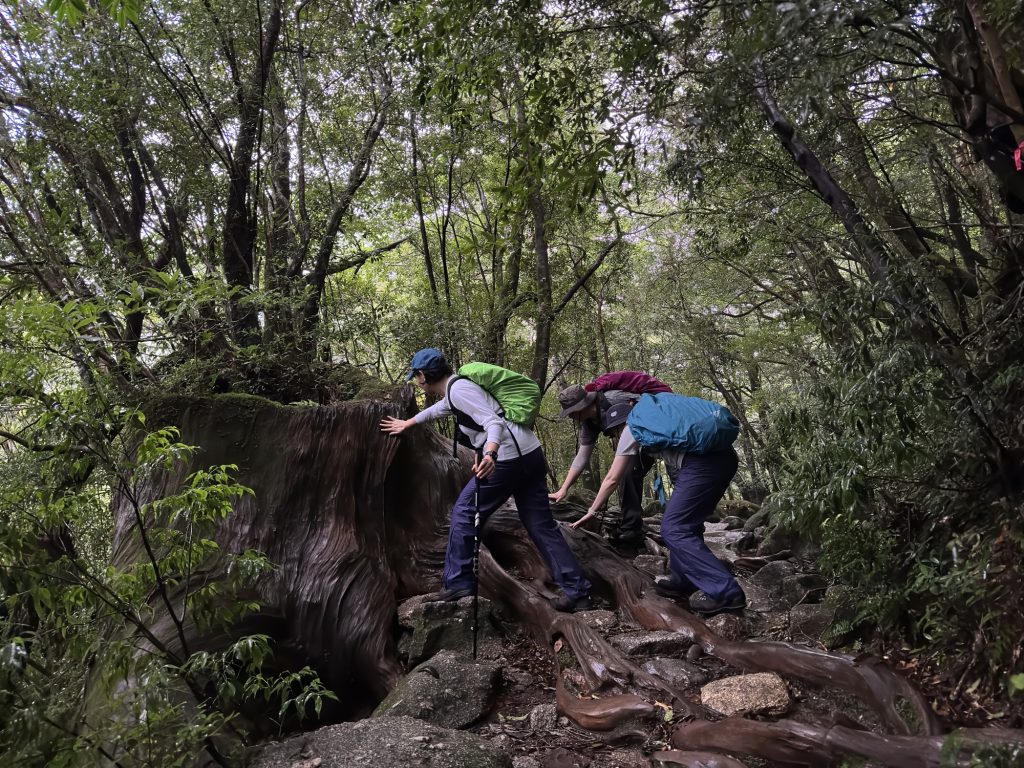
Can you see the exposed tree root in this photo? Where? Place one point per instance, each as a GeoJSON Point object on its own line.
{"type": "Point", "coordinates": [797, 744]}
{"type": "Point", "coordinates": [626, 691]}
{"type": "Point", "coordinates": [617, 693]}
{"type": "Point", "coordinates": [894, 699]}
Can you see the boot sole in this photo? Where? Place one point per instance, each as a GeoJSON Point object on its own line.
{"type": "Point", "coordinates": [736, 610]}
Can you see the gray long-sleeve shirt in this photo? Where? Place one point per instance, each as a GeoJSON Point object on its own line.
{"type": "Point", "coordinates": [477, 403]}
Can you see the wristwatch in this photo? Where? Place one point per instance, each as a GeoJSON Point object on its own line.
{"type": "Point", "coordinates": [492, 454]}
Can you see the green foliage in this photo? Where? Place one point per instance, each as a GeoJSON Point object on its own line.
{"type": "Point", "coordinates": [125, 11]}
{"type": "Point", "coordinates": [876, 364]}
{"type": "Point", "coordinates": [85, 671]}
{"type": "Point", "coordinates": [956, 753]}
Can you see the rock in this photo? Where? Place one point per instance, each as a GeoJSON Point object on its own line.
{"type": "Point", "coordinates": [563, 758]}
{"type": "Point", "coordinates": [652, 564]}
{"type": "Point", "coordinates": [398, 742]}
{"type": "Point", "coordinates": [437, 626]}
{"type": "Point", "coordinates": [803, 588]}
{"type": "Point", "coordinates": [518, 677]}
{"type": "Point", "coordinates": [409, 608]}
{"type": "Point", "coordinates": [737, 508]}
{"type": "Point", "coordinates": [445, 690]}
{"type": "Point", "coordinates": [694, 653]}
{"type": "Point", "coordinates": [721, 541]}
{"type": "Point", "coordinates": [759, 599]}
{"type": "Point", "coordinates": [760, 693]}
{"type": "Point", "coordinates": [662, 643]}
{"type": "Point", "coordinates": [745, 543]}
{"type": "Point", "coordinates": [599, 619]}
{"type": "Point", "coordinates": [771, 577]}
{"type": "Point", "coordinates": [692, 759]}
{"type": "Point", "coordinates": [543, 717]}
{"type": "Point", "coordinates": [728, 625]}
{"type": "Point", "coordinates": [676, 672]}
{"type": "Point", "coordinates": [524, 761]}
{"type": "Point", "coordinates": [624, 759]}
{"type": "Point", "coordinates": [777, 538]}
{"type": "Point", "coordinates": [756, 520]}
{"type": "Point", "coordinates": [807, 623]}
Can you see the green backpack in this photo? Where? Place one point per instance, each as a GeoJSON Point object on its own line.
{"type": "Point", "coordinates": [518, 396]}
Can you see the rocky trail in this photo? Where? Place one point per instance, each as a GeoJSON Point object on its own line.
{"type": "Point", "coordinates": [523, 703]}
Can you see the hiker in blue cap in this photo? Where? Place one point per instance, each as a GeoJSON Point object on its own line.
{"type": "Point", "coordinates": [699, 482]}
{"type": "Point", "coordinates": [510, 462]}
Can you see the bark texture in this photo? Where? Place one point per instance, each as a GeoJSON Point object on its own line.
{"type": "Point", "coordinates": [355, 521]}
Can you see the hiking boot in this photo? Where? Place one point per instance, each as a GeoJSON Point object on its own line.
{"type": "Point", "coordinates": [702, 603]}
{"type": "Point", "coordinates": [567, 604]}
{"type": "Point", "coordinates": [673, 590]}
{"type": "Point", "coordinates": [626, 539]}
{"type": "Point", "coordinates": [452, 595]}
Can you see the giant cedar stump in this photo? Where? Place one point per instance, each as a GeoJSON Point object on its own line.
{"type": "Point", "coordinates": [354, 519]}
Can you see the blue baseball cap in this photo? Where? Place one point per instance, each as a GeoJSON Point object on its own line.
{"type": "Point", "coordinates": [424, 360]}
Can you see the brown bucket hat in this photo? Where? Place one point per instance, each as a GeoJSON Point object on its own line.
{"type": "Point", "coordinates": [574, 398]}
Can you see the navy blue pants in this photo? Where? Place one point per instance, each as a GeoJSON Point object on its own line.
{"type": "Point", "coordinates": [524, 479]}
{"type": "Point", "coordinates": [698, 485]}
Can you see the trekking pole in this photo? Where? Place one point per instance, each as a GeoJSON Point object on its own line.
{"type": "Point", "coordinates": [476, 563]}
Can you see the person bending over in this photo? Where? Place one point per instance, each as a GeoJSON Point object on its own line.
{"type": "Point", "coordinates": [699, 482]}
{"type": "Point", "coordinates": [596, 413]}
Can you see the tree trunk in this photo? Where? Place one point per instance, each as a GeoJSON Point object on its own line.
{"type": "Point", "coordinates": [417, 198]}
{"type": "Point", "coordinates": [239, 226]}
{"type": "Point", "coordinates": [354, 519]}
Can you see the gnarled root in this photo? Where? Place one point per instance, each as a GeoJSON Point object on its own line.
{"type": "Point", "coordinates": [794, 743]}
{"type": "Point", "coordinates": [875, 682]}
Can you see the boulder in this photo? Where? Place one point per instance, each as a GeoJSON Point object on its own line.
{"type": "Point", "coordinates": [436, 626]}
{"type": "Point", "coordinates": [652, 564]}
{"type": "Point", "coordinates": [676, 672]}
{"type": "Point", "coordinates": [771, 577]}
{"type": "Point", "coordinates": [446, 690]}
{"type": "Point", "coordinates": [807, 623]}
{"type": "Point", "coordinates": [397, 742]}
{"type": "Point", "coordinates": [803, 588]}
{"type": "Point", "coordinates": [661, 643]}
{"type": "Point", "coordinates": [543, 717]}
{"type": "Point", "coordinates": [760, 693]}
{"type": "Point", "coordinates": [756, 520]}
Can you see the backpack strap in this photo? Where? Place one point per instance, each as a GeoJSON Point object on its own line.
{"type": "Point", "coordinates": [463, 419]}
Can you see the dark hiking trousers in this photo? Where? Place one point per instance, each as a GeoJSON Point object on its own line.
{"type": "Point", "coordinates": [631, 496]}
{"type": "Point", "coordinates": [698, 485]}
{"type": "Point", "coordinates": [525, 479]}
